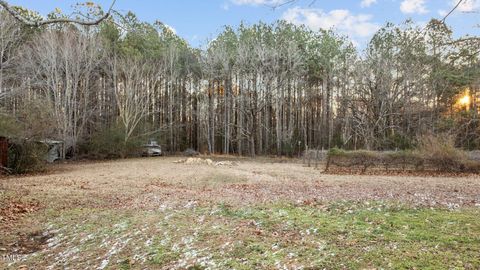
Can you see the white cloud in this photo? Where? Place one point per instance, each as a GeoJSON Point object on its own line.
{"type": "Point", "coordinates": [442, 12]}
{"type": "Point", "coordinates": [467, 5]}
{"type": "Point", "coordinates": [413, 6]}
{"type": "Point", "coordinates": [226, 6]}
{"type": "Point", "coordinates": [367, 3]}
{"type": "Point", "coordinates": [355, 26]}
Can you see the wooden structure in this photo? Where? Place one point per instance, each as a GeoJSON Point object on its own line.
{"type": "Point", "coordinates": [3, 152]}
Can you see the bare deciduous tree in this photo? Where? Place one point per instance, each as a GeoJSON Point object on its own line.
{"type": "Point", "coordinates": [17, 15]}
{"type": "Point", "coordinates": [10, 38]}
{"type": "Point", "coordinates": [131, 92]}
{"type": "Point", "coordinates": [61, 66]}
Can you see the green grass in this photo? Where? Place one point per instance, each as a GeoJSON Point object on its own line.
{"type": "Point", "coordinates": [362, 236]}
{"type": "Point", "coordinates": [341, 235]}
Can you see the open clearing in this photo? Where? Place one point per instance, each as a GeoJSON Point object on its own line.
{"type": "Point", "coordinates": [264, 213]}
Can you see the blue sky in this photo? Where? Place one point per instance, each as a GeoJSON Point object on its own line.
{"type": "Point", "coordinates": [200, 20]}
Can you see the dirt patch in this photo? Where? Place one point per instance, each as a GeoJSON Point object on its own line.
{"type": "Point", "coordinates": [28, 243]}
{"type": "Point", "coordinates": [13, 210]}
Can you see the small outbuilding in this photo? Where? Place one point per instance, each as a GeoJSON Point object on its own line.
{"type": "Point", "coordinates": [55, 150]}
{"type": "Point", "coordinates": [3, 152]}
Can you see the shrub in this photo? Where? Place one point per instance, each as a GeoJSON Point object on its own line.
{"type": "Point", "coordinates": [8, 126]}
{"type": "Point", "coordinates": [26, 157]}
{"type": "Point", "coordinates": [289, 149]}
{"type": "Point", "coordinates": [440, 153]}
{"type": "Point", "coordinates": [190, 152]}
{"type": "Point", "coordinates": [397, 141]}
{"type": "Point", "coordinates": [362, 158]}
{"type": "Point", "coordinates": [437, 153]}
{"type": "Point", "coordinates": [403, 159]}
{"type": "Point", "coordinates": [36, 119]}
{"type": "Point", "coordinates": [110, 144]}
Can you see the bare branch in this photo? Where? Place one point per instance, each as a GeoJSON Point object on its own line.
{"type": "Point", "coordinates": [286, 2]}
{"type": "Point", "coordinates": [25, 21]}
{"type": "Point", "coordinates": [451, 11]}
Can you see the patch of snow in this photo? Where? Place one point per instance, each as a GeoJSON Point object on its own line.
{"type": "Point", "coordinates": [190, 204]}
{"type": "Point", "coordinates": [103, 264]}
{"type": "Point", "coordinates": [117, 247]}
{"type": "Point", "coordinates": [149, 242]}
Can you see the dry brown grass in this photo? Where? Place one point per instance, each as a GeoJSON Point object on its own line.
{"type": "Point", "coordinates": [148, 183]}
{"type": "Point", "coordinates": [134, 188]}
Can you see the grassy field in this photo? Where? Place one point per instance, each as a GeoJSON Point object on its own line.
{"type": "Point", "coordinates": [155, 214]}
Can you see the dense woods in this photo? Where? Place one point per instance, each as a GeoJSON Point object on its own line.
{"type": "Point", "coordinates": [254, 90]}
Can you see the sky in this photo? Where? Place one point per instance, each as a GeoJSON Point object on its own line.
{"type": "Point", "coordinates": [198, 21]}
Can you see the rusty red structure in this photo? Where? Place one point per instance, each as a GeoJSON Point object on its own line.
{"type": "Point", "coordinates": [3, 152]}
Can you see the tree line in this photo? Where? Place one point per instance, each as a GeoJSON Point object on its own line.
{"type": "Point", "coordinates": [254, 90]}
